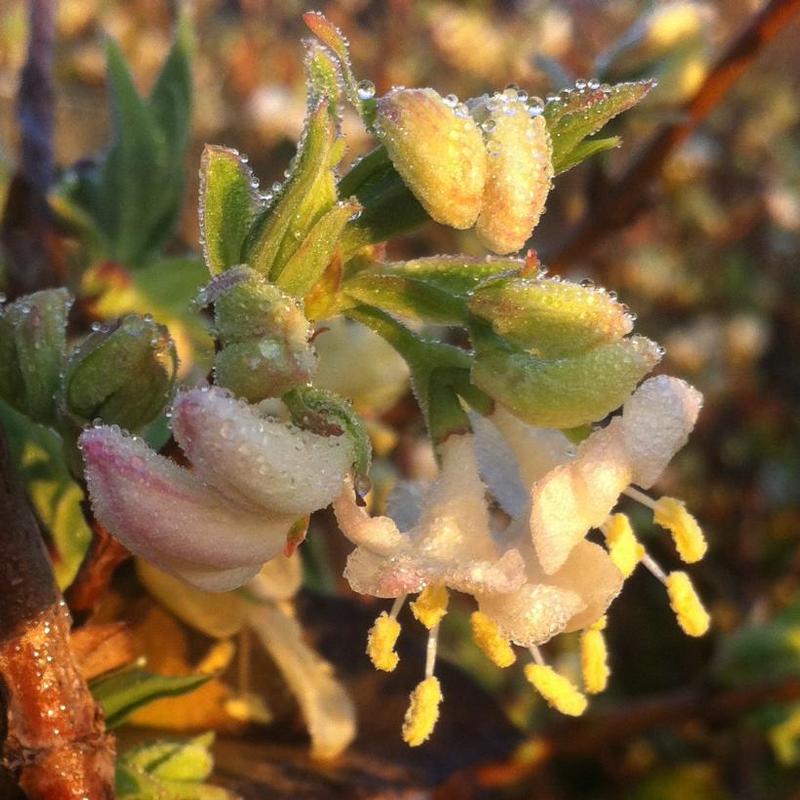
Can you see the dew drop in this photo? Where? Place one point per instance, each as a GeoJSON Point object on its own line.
{"type": "Point", "coordinates": [365, 90]}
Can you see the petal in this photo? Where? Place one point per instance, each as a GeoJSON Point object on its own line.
{"type": "Point", "coordinates": [404, 505]}
{"type": "Point", "coordinates": [590, 573]}
{"type": "Point", "coordinates": [259, 461]}
{"type": "Point", "coordinates": [377, 576]}
{"type": "Point", "coordinates": [502, 575]}
{"type": "Point", "coordinates": [657, 420]}
{"type": "Point", "coordinates": [279, 579]}
{"type": "Point", "coordinates": [379, 535]}
{"type": "Point", "coordinates": [534, 613]}
{"type": "Point", "coordinates": [578, 496]}
{"type": "Point", "coordinates": [168, 515]}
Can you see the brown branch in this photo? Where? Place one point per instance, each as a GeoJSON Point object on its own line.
{"type": "Point", "coordinates": [55, 745]}
{"type": "Point", "coordinates": [622, 200]}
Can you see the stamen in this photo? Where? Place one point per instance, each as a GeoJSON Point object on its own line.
{"type": "Point", "coordinates": [558, 691]}
{"type": "Point", "coordinates": [423, 712]}
{"type": "Point", "coordinates": [640, 497]}
{"type": "Point", "coordinates": [431, 605]}
{"type": "Point", "coordinates": [690, 543]}
{"type": "Point", "coordinates": [397, 605]}
{"type": "Point", "coordinates": [488, 637]}
{"type": "Point", "coordinates": [430, 651]}
{"type": "Point", "coordinates": [381, 640]}
{"type": "Point", "coordinates": [623, 546]}
{"type": "Point", "coordinates": [686, 604]}
{"type": "Point", "coordinates": [654, 569]}
{"type": "Point", "coordinates": [594, 658]}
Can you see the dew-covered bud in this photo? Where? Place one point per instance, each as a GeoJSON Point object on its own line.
{"type": "Point", "coordinates": [564, 392]}
{"type": "Point", "coordinates": [123, 374]}
{"type": "Point", "coordinates": [32, 346]}
{"type": "Point", "coordinates": [553, 317]}
{"type": "Point", "coordinates": [438, 151]}
{"type": "Point", "coordinates": [519, 172]}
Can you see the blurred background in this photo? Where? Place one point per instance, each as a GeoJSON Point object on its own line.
{"type": "Point", "coordinates": [711, 265]}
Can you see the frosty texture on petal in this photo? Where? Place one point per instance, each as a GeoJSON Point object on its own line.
{"type": "Point", "coordinates": [533, 613]}
{"type": "Point", "coordinates": [591, 573]}
{"type": "Point", "coordinates": [258, 461]}
{"type": "Point", "coordinates": [379, 535]}
{"type": "Point", "coordinates": [657, 420]}
{"type": "Point", "coordinates": [378, 576]}
{"type": "Point", "coordinates": [578, 496]}
{"type": "Point", "coordinates": [502, 575]}
{"type": "Point", "coordinates": [168, 515]}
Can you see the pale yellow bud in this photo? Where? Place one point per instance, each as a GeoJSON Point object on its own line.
{"type": "Point", "coordinates": [519, 174]}
{"type": "Point", "coordinates": [623, 546]}
{"type": "Point", "coordinates": [423, 712]}
{"type": "Point", "coordinates": [438, 151]}
{"type": "Point", "coordinates": [488, 637]}
{"type": "Point", "coordinates": [557, 690]}
{"type": "Point", "coordinates": [689, 541]}
{"type": "Point", "coordinates": [381, 640]}
{"type": "Point", "coordinates": [431, 605]}
{"type": "Point", "coordinates": [688, 608]}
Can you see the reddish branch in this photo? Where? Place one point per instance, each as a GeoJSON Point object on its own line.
{"type": "Point", "coordinates": [621, 200]}
{"type": "Point", "coordinates": [56, 745]}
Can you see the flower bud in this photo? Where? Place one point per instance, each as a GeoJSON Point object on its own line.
{"type": "Point", "coordinates": [519, 172]}
{"type": "Point", "coordinates": [123, 374]}
{"type": "Point", "coordinates": [438, 152]}
{"type": "Point", "coordinates": [32, 347]}
{"type": "Point", "coordinates": [553, 317]}
{"type": "Point", "coordinates": [565, 392]}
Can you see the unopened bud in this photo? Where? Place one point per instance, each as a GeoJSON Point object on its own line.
{"type": "Point", "coordinates": [123, 374]}
{"type": "Point", "coordinates": [32, 347]}
{"type": "Point", "coordinates": [518, 175]}
{"type": "Point", "coordinates": [438, 152]}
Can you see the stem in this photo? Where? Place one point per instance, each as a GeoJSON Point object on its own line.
{"type": "Point", "coordinates": [56, 746]}
{"type": "Point", "coordinates": [621, 200]}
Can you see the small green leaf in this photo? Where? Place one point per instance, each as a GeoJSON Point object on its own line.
{"type": "Point", "coordinates": [123, 692]}
{"type": "Point", "coordinates": [32, 351]}
{"type": "Point", "coordinates": [306, 266]}
{"type": "Point", "coordinates": [308, 193]}
{"type": "Point", "coordinates": [188, 760]}
{"type": "Point", "coordinates": [228, 206]}
{"type": "Point", "coordinates": [327, 413]}
{"type": "Point", "coordinates": [588, 148]}
{"type": "Point", "coordinates": [565, 392]}
{"type": "Point", "coordinates": [578, 113]}
{"type": "Point", "coordinates": [55, 496]}
{"type": "Point", "coordinates": [323, 73]}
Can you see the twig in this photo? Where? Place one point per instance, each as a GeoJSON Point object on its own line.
{"type": "Point", "coordinates": [56, 745]}
{"type": "Point", "coordinates": [28, 234]}
{"type": "Point", "coordinates": [621, 200]}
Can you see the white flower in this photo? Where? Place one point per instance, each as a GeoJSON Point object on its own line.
{"type": "Point", "coordinates": [216, 525]}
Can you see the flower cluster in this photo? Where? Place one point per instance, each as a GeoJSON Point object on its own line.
{"type": "Point", "coordinates": [530, 568]}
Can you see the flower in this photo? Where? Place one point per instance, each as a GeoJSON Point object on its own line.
{"type": "Point", "coordinates": [537, 575]}
{"type": "Point", "coordinates": [213, 526]}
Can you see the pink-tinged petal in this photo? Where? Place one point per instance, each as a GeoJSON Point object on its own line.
{"type": "Point", "coordinates": [590, 573]}
{"type": "Point", "coordinates": [166, 514]}
{"type": "Point", "coordinates": [657, 420]}
{"type": "Point", "coordinates": [502, 575]}
{"type": "Point", "coordinates": [379, 535]}
{"type": "Point", "coordinates": [534, 613]}
{"type": "Point", "coordinates": [262, 461]}
{"type": "Point", "coordinates": [579, 495]}
{"type": "Point", "coordinates": [377, 576]}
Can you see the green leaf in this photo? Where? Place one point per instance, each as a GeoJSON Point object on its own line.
{"type": "Point", "coordinates": [306, 266]}
{"type": "Point", "coordinates": [228, 206]}
{"type": "Point", "coordinates": [123, 692]}
{"type": "Point", "coordinates": [308, 193]}
{"type": "Point", "coordinates": [389, 207]}
{"type": "Point", "coordinates": [564, 392]}
{"type": "Point", "coordinates": [188, 760]}
{"type": "Point", "coordinates": [323, 73]}
{"type": "Point", "coordinates": [760, 652]}
{"type": "Point", "coordinates": [55, 496]}
{"type": "Point", "coordinates": [578, 113]}
{"type": "Point", "coordinates": [586, 149]}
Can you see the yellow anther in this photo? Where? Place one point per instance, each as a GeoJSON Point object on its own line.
{"type": "Point", "coordinates": [688, 608]}
{"type": "Point", "coordinates": [594, 658]}
{"type": "Point", "coordinates": [623, 546]}
{"type": "Point", "coordinates": [249, 707]}
{"type": "Point", "coordinates": [381, 640]}
{"type": "Point", "coordinates": [557, 690]}
{"type": "Point", "coordinates": [423, 712]}
{"type": "Point", "coordinates": [431, 605]}
{"type": "Point", "coordinates": [218, 657]}
{"type": "Point", "coordinates": [689, 541]}
{"type": "Point", "coordinates": [488, 637]}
